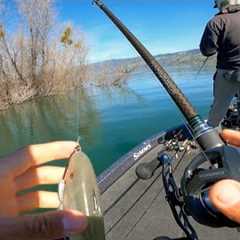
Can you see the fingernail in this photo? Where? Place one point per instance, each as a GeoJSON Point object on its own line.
{"type": "Point", "coordinates": [74, 222]}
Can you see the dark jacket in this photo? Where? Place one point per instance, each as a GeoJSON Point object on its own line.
{"type": "Point", "coordinates": [222, 36]}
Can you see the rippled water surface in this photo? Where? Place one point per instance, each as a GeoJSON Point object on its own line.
{"type": "Point", "coordinates": [110, 122]}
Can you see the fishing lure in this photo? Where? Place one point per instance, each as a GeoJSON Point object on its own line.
{"type": "Point", "coordinates": [78, 190]}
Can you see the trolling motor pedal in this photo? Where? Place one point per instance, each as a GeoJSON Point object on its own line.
{"type": "Point", "coordinates": [145, 171]}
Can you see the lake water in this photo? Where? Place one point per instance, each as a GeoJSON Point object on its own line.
{"type": "Point", "coordinates": [110, 122]}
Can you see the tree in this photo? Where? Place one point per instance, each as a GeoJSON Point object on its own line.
{"type": "Point", "coordinates": [33, 60]}
{"type": "Point", "coordinates": [38, 19]}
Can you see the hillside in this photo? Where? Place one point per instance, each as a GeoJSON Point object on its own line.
{"type": "Point", "coordinates": [192, 58]}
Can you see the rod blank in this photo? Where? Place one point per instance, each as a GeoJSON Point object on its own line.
{"type": "Point", "coordinates": [170, 86]}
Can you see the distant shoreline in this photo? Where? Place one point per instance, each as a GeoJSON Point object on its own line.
{"type": "Point", "coordinates": [190, 57]}
{"type": "Point", "coordinates": [114, 72]}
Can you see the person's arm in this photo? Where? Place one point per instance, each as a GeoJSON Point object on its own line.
{"type": "Point", "coordinates": [23, 170]}
{"type": "Point", "coordinates": [210, 39]}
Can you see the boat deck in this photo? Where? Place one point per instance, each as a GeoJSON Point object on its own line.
{"type": "Point", "coordinates": [137, 210]}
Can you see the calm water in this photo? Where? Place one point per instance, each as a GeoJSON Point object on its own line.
{"type": "Point", "coordinates": [110, 122]}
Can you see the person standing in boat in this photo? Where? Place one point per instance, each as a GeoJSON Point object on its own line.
{"type": "Point", "coordinates": [222, 36]}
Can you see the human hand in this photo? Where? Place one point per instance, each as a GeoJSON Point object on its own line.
{"type": "Point", "coordinates": [231, 136]}
{"type": "Point", "coordinates": [225, 194]}
{"type": "Point", "coordinates": [23, 170]}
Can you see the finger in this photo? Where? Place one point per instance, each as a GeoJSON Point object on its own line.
{"type": "Point", "coordinates": [225, 196]}
{"type": "Point", "coordinates": [40, 199]}
{"type": "Point", "coordinates": [38, 176]}
{"type": "Point", "coordinates": [52, 225]}
{"type": "Point", "coordinates": [34, 155]}
{"type": "Point", "coordinates": [231, 136]}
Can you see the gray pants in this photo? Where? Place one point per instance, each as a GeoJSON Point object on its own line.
{"type": "Point", "coordinates": [226, 85]}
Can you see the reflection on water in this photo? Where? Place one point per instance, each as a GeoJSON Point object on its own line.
{"type": "Point", "coordinates": [48, 119]}
{"type": "Point", "coordinates": [109, 121]}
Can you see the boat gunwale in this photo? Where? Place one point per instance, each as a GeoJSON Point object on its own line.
{"type": "Point", "coordinates": [108, 177]}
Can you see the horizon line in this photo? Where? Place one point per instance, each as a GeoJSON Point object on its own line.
{"type": "Point", "coordinates": [138, 56]}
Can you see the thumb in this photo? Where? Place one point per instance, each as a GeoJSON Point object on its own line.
{"type": "Point", "coordinates": [231, 136]}
{"type": "Point", "coordinates": [52, 225]}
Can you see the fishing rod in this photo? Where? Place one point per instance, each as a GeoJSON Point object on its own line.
{"type": "Point", "coordinates": [191, 197]}
{"type": "Point", "coordinates": [201, 68]}
{"type": "Point", "coordinates": [206, 136]}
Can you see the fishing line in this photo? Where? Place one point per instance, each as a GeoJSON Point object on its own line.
{"type": "Point", "coordinates": [186, 125]}
{"type": "Point", "coordinates": [78, 137]}
{"type": "Point", "coordinates": [201, 68]}
{"type": "Point", "coordinates": [177, 165]}
{"type": "Point", "coordinates": [156, 196]}
{"type": "Point", "coordinates": [133, 205]}
{"type": "Point", "coordinates": [140, 197]}
{"type": "Point", "coordinates": [170, 86]}
{"type": "Point", "coordinates": [192, 135]}
{"type": "Point", "coordinates": [201, 130]}
{"type": "Point", "coordinates": [206, 137]}
{"type": "Point", "coordinates": [121, 196]}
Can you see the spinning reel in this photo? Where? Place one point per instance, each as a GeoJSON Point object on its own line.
{"type": "Point", "coordinates": [232, 119]}
{"type": "Point", "coordinates": [191, 197]}
{"type": "Point", "coordinates": [203, 171]}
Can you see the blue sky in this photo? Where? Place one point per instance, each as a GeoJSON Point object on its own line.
{"type": "Point", "coordinates": [164, 26]}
